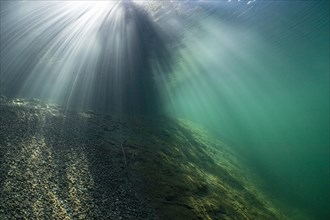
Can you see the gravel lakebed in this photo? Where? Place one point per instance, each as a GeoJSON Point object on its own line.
{"type": "Point", "coordinates": [60, 164]}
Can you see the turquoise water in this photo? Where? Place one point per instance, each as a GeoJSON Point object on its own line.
{"type": "Point", "coordinates": [261, 82]}
{"type": "Point", "coordinates": [255, 73]}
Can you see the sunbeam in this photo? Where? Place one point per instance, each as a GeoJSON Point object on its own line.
{"type": "Point", "coordinates": [164, 109]}
{"type": "Point", "coordinates": [83, 53]}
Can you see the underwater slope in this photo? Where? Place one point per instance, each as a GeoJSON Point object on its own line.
{"type": "Point", "coordinates": [70, 165]}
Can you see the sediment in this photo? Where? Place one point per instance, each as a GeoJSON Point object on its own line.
{"type": "Point", "coordinates": [60, 164]}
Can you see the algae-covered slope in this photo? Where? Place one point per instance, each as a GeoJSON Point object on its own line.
{"type": "Point", "coordinates": [57, 164]}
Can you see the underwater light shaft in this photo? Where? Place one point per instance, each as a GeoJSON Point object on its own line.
{"type": "Point", "coordinates": [82, 54]}
{"type": "Point", "coordinates": [255, 73]}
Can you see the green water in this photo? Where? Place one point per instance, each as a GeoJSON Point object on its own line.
{"type": "Point", "coordinates": [261, 83]}
{"type": "Point", "coordinates": [254, 73]}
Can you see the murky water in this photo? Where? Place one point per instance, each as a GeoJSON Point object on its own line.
{"type": "Point", "coordinates": [255, 73]}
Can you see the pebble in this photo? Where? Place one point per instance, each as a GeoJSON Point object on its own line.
{"type": "Point", "coordinates": [53, 167]}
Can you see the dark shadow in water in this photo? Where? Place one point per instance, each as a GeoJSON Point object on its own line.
{"type": "Point", "coordinates": [130, 48]}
